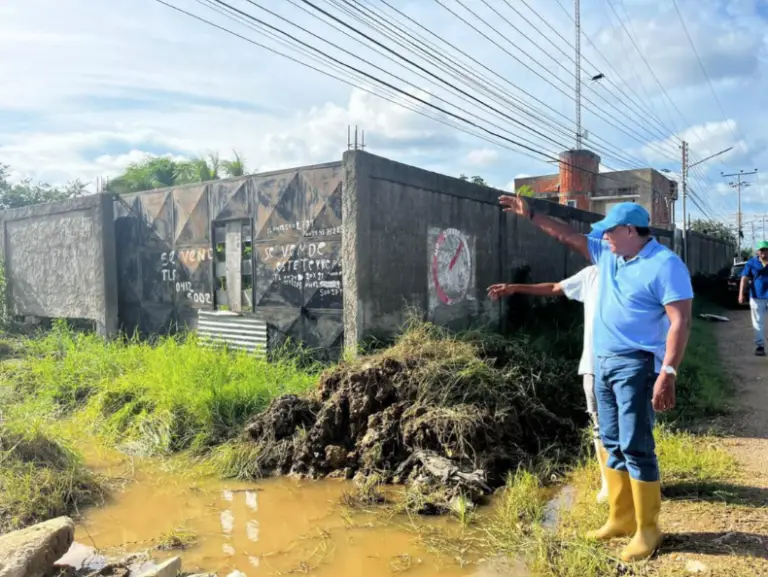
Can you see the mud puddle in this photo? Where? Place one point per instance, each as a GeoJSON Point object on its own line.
{"type": "Point", "coordinates": [273, 527]}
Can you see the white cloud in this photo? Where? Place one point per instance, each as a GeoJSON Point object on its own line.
{"type": "Point", "coordinates": [87, 87]}
{"type": "Point", "coordinates": [703, 140]}
{"type": "Point", "coordinates": [482, 157]}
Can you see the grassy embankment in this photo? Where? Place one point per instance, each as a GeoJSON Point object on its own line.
{"type": "Point", "coordinates": [142, 399]}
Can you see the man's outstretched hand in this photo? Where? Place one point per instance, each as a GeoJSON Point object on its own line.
{"type": "Point", "coordinates": [513, 204]}
{"type": "Point", "coordinates": [495, 292]}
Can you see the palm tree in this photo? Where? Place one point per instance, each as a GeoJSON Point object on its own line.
{"type": "Point", "coordinates": [235, 167]}
{"type": "Point", "coordinates": [162, 172]}
{"type": "Point", "coordinates": [145, 175]}
{"type": "Point", "coordinates": [197, 170]}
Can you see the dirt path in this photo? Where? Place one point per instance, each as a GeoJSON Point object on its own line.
{"type": "Point", "coordinates": [750, 427]}
{"type": "Point", "coordinates": [724, 530]}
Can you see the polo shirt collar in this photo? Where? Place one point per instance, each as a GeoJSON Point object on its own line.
{"type": "Point", "coordinates": [649, 248]}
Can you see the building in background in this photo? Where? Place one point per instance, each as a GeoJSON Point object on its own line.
{"type": "Point", "coordinates": [580, 184]}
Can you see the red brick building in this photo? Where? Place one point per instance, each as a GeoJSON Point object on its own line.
{"type": "Point", "coordinates": [581, 184]}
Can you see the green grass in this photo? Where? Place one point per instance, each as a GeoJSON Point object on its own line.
{"type": "Point", "coordinates": [157, 398]}
{"type": "Point", "coordinates": [703, 387]}
{"type": "Point", "coordinates": [40, 478]}
{"type": "Point", "coordinates": [517, 526]}
{"type": "Point", "coordinates": [688, 458]}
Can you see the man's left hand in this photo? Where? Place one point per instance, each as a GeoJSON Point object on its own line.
{"type": "Point", "coordinates": [664, 393]}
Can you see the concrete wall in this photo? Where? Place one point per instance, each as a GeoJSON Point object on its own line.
{"type": "Point", "coordinates": [708, 256]}
{"type": "Point", "coordinates": [417, 240]}
{"type": "Point", "coordinates": [60, 261]}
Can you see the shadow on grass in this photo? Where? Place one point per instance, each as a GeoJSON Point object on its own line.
{"type": "Point", "coordinates": [717, 543]}
{"type": "Point", "coordinates": [717, 492]}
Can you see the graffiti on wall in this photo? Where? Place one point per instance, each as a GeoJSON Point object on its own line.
{"type": "Point", "coordinates": [451, 267]}
{"type": "Point", "coordinates": [174, 265]}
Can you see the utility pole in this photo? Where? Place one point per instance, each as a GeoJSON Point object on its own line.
{"type": "Point", "coordinates": [577, 60]}
{"type": "Point", "coordinates": [684, 178]}
{"type": "Point", "coordinates": [738, 185]}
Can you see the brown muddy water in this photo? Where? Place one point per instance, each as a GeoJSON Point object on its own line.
{"type": "Point", "coordinates": [271, 527]}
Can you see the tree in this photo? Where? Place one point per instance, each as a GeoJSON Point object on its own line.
{"type": "Point", "coordinates": [474, 179]}
{"type": "Point", "coordinates": [235, 167]}
{"type": "Point", "coordinates": [27, 192]}
{"type": "Point", "coordinates": [747, 253]}
{"type": "Point", "coordinates": [525, 190]}
{"type": "Point", "coordinates": [146, 175]}
{"type": "Point", "coordinates": [161, 172]}
{"type": "Point", "coordinates": [714, 229]}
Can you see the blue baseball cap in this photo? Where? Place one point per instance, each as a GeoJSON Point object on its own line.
{"type": "Point", "coordinates": [596, 233]}
{"type": "Point", "coordinates": [622, 214]}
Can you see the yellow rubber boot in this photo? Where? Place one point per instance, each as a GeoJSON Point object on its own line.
{"type": "Point", "coordinates": [647, 498]}
{"type": "Point", "coordinates": [621, 516]}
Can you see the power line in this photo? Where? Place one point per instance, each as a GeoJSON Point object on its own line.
{"type": "Point", "coordinates": [565, 53]}
{"type": "Point", "coordinates": [701, 65]}
{"type": "Point", "coordinates": [405, 40]}
{"type": "Point", "coordinates": [409, 61]}
{"type": "Point", "coordinates": [626, 130]}
{"type": "Point", "coordinates": [394, 88]}
{"type": "Point", "coordinates": [525, 149]}
{"type": "Point", "coordinates": [648, 111]}
{"type": "Point", "coordinates": [453, 47]}
{"type": "Point", "coordinates": [653, 74]}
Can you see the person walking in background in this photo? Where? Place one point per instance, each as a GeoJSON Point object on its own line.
{"type": "Point", "coordinates": [641, 327]}
{"type": "Point", "coordinates": [581, 287]}
{"type": "Point", "coordinates": [756, 274]}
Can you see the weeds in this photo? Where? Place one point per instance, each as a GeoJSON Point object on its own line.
{"type": "Point", "coordinates": [366, 492]}
{"type": "Point", "coordinates": [684, 457]}
{"type": "Point", "coordinates": [703, 387]}
{"type": "Point", "coordinates": [178, 539]}
{"type": "Point", "coordinates": [154, 398]}
{"type": "Point", "coordinates": [40, 478]}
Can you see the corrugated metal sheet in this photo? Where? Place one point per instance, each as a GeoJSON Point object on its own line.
{"type": "Point", "coordinates": [226, 328]}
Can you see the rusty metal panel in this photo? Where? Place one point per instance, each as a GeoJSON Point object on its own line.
{"type": "Point", "coordinates": [235, 331]}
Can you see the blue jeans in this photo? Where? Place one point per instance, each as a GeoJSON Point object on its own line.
{"type": "Point", "coordinates": [624, 389]}
{"type": "Point", "coordinates": [759, 309]}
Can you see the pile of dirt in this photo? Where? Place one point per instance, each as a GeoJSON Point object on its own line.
{"type": "Point", "coordinates": [431, 412]}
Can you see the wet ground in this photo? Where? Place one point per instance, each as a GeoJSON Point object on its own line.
{"type": "Point", "coordinates": [273, 527]}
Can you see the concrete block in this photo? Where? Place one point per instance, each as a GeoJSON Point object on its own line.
{"type": "Point", "coordinates": [32, 552]}
{"type": "Point", "coordinates": [168, 568]}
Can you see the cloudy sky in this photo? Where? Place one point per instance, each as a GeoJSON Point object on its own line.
{"type": "Point", "coordinates": [89, 86]}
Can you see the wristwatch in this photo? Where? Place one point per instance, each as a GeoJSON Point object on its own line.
{"type": "Point", "coordinates": [669, 370]}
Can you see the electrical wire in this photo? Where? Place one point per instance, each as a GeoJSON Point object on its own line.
{"type": "Point", "coordinates": [701, 65]}
{"type": "Point", "coordinates": [660, 123]}
{"type": "Point", "coordinates": [525, 149]}
{"type": "Point", "coordinates": [619, 125]}
{"type": "Point", "coordinates": [557, 61]}
{"type": "Point", "coordinates": [361, 14]}
{"type": "Point", "coordinates": [420, 68]}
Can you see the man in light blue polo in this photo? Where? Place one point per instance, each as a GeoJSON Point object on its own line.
{"type": "Point", "coordinates": [641, 328]}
